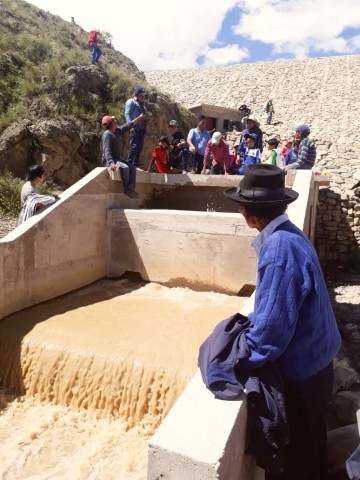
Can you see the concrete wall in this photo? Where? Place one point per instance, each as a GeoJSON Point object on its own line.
{"type": "Point", "coordinates": [205, 251]}
{"type": "Point", "coordinates": [59, 250]}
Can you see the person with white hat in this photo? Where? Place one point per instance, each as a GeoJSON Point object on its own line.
{"type": "Point", "coordinates": [292, 323]}
{"type": "Point", "coordinates": [219, 150]}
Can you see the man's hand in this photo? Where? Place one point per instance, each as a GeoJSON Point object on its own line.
{"type": "Point", "coordinates": [138, 119]}
{"type": "Point", "coordinates": [113, 166]}
{"type": "Point", "coordinates": [192, 149]}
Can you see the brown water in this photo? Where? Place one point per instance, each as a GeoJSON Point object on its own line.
{"type": "Point", "coordinates": [100, 368]}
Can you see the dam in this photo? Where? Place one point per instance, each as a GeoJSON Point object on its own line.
{"type": "Point", "coordinates": [104, 303]}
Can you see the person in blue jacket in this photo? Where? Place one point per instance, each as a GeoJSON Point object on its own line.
{"type": "Point", "coordinates": [251, 154]}
{"type": "Point", "coordinates": [134, 107]}
{"type": "Point", "coordinates": [292, 322]}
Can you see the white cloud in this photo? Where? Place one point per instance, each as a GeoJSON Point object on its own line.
{"type": "Point", "coordinates": [155, 34]}
{"type": "Point", "coordinates": [297, 27]}
{"type": "Point", "coordinates": [160, 35]}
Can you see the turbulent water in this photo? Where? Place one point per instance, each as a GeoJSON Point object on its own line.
{"type": "Point", "coordinates": [98, 369]}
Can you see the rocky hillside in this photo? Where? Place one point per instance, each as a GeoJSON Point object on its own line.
{"type": "Point", "coordinates": [52, 100]}
{"type": "Point", "coordinates": [322, 92]}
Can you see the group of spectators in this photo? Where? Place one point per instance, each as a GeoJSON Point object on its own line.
{"type": "Point", "coordinates": [199, 152]}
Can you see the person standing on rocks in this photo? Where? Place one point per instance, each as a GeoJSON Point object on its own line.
{"type": "Point", "coordinates": [292, 323]}
{"type": "Point", "coordinates": [197, 139]}
{"type": "Point", "coordinates": [93, 45]}
{"type": "Point", "coordinates": [111, 152]}
{"type": "Point", "coordinates": [135, 107]}
{"type": "Point", "coordinates": [270, 111]}
{"type": "Point", "coordinates": [307, 150]}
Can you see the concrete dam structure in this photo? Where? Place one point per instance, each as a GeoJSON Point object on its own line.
{"type": "Point", "coordinates": [104, 302]}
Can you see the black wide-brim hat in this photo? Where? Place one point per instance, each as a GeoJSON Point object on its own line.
{"type": "Point", "coordinates": [263, 186]}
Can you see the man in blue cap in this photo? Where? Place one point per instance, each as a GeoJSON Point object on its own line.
{"type": "Point", "coordinates": [133, 108]}
{"type": "Point", "coordinates": [293, 323]}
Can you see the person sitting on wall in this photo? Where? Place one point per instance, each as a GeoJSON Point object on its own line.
{"type": "Point", "coordinates": [111, 152]}
{"type": "Point", "coordinates": [218, 148]}
{"type": "Point", "coordinates": [307, 150]}
{"type": "Point", "coordinates": [292, 324]}
{"type": "Point", "coordinates": [160, 156]}
{"type": "Point", "coordinates": [198, 138]}
{"type": "Point", "coordinates": [31, 201]}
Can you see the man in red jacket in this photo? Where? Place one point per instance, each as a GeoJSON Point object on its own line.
{"type": "Point", "coordinates": [95, 50]}
{"type": "Point", "coordinates": [218, 155]}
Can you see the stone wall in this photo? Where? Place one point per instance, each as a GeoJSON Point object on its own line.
{"type": "Point", "coordinates": [322, 92]}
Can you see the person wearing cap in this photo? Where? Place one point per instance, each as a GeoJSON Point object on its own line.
{"type": "Point", "coordinates": [160, 156]}
{"type": "Point", "coordinates": [197, 139]}
{"type": "Point", "coordinates": [292, 323]}
{"type": "Point", "coordinates": [111, 152]}
{"type": "Point", "coordinates": [252, 153]}
{"type": "Point", "coordinates": [133, 108]}
{"type": "Point", "coordinates": [93, 45]}
{"type": "Point", "coordinates": [219, 150]}
{"type": "Point", "coordinates": [175, 148]}
{"type": "Point", "coordinates": [252, 126]}
{"type": "Point", "coordinates": [307, 150]}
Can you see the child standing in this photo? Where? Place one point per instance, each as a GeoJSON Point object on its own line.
{"type": "Point", "coordinates": [160, 156]}
{"type": "Point", "coordinates": [276, 157]}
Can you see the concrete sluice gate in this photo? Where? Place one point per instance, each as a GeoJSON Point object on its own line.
{"type": "Point", "coordinates": [92, 361]}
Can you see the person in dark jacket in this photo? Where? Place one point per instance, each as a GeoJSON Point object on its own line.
{"type": "Point", "coordinates": [293, 322]}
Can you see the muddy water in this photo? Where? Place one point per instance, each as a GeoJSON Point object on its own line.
{"type": "Point", "coordinates": [99, 369]}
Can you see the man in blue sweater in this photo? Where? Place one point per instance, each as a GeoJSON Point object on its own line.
{"type": "Point", "coordinates": [292, 322]}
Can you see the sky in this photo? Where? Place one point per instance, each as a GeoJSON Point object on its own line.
{"type": "Point", "coordinates": [163, 35]}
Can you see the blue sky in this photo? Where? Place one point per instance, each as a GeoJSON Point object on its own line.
{"type": "Point", "coordinates": [160, 35]}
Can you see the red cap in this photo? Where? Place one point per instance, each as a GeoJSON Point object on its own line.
{"type": "Point", "coordinates": [107, 119]}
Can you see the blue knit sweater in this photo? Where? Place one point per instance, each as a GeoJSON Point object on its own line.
{"type": "Point", "coordinates": [293, 320]}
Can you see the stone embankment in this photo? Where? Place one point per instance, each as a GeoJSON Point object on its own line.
{"type": "Point", "coordinates": [322, 92]}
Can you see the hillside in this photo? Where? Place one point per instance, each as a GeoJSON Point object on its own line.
{"type": "Point", "coordinates": [322, 92]}
{"type": "Point", "coordinates": [52, 100]}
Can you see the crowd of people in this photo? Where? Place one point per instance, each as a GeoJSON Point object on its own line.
{"type": "Point", "coordinates": [200, 152]}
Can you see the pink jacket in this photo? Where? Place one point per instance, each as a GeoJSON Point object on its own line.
{"type": "Point", "coordinates": [220, 153]}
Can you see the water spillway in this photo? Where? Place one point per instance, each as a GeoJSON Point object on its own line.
{"type": "Point", "coordinates": [120, 350]}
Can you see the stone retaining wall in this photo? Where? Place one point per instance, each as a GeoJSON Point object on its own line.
{"type": "Point", "coordinates": [322, 92]}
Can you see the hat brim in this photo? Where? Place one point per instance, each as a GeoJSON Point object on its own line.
{"type": "Point", "coordinates": [290, 196]}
